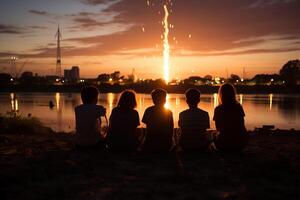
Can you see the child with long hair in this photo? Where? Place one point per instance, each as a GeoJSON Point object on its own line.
{"type": "Point", "coordinates": [123, 123]}
{"type": "Point", "coordinates": [229, 120]}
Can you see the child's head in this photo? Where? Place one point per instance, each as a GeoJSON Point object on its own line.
{"type": "Point", "coordinates": [127, 100]}
{"type": "Point", "coordinates": [89, 95]}
{"type": "Point", "coordinates": [159, 97]}
{"type": "Point", "coordinates": [192, 97]}
{"type": "Point", "coordinates": [227, 94]}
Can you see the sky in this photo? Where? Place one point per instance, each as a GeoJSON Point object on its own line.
{"type": "Point", "coordinates": [101, 36]}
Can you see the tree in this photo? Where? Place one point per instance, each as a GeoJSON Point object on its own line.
{"type": "Point", "coordinates": [290, 72]}
{"type": "Point", "coordinates": [208, 77]}
{"type": "Point", "coordinates": [131, 78]}
{"type": "Point", "coordinates": [27, 77]}
{"type": "Point", "coordinates": [115, 76]}
{"type": "Point", "coordinates": [195, 80]}
{"type": "Point", "coordinates": [263, 79]}
{"type": "Point", "coordinates": [103, 78]}
{"type": "Point", "coordinates": [234, 78]}
{"type": "Point", "coordinates": [5, 78]}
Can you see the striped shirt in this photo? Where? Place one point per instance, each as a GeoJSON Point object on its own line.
{"type": "Point", "coordinates": [193, 123]}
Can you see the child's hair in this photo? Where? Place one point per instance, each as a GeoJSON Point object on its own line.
{"type": "Point", "coordinates": [89, 94]}
{"type": "Point", "coordinates": [192, 97]}
{"type": "Point", "coordinates": [127, 100]}
{"type": "Point", "coordinates": [159, 96]}
{"type": "Point", "coordinates": [227, 94]}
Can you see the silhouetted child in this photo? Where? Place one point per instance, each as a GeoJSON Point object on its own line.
{"type": "Point", "coordinates": [88, 119]}
{"type": "Point", "coordinates": [229, 119]}
{"type": "Point", "coordinates": [51, 104]}
{"type": "Point", "coordinates": [193, 123]}
{"type": "Point", "coordinates": [159, 124]}
{"type": "Point", "coordinates": [124, 121]}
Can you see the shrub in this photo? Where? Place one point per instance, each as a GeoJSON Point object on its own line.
{"type": "Point", "coordinates": [13, 123]}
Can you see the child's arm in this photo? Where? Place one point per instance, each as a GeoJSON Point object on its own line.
{"type": "Point", "coordinates": [180, 120]}
{"type": "Point", "coordinates": [207, 121]}
{"type": "Point", "coordinates": [171, 120]}
{"type": "Point", "coordinates": [145, 118]}
{"type": "Point", "coordinates": [101, 111]}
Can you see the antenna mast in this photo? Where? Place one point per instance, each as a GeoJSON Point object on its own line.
{"type": "Point", "coordinates": [58, 54]}
{"type": "Point", "coordinates": [13, 60]}
{"type": "Point", "coordinates": [244, 73]}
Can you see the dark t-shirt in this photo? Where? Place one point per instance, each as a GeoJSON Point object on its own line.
{"type": "Point", "coordinates": [229, 120]}
{"type": "Point", "coordinates": [159, 122]}
{"type": "Point", "coordinates": [123, 124]}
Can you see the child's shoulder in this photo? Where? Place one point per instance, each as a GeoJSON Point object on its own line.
{"type": "Point", "coordinates": [88, 107]}
{"type": "Point", "coordinates": [150, 108]}
{"type": "Point", "coordinates": [79, 107]}
{"type": "Point", "coordinates": [115, 109]}
{"type": "Point", "coordinates": [187, 111]}
{"type": "Point", "coordinates": [169, 111]}
{"type": "Point", "coordinates": [202, 111]}
{"type": "Point", "coordinates": [196, 111]}
{"type": "Point", "coordinates": [156, 110]}
{"type": "Point", "coordinates": [218, 108]}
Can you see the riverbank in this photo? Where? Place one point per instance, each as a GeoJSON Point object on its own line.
{"type": "Point", "coordinates": [147, 88]}
{"type": "Point", "coordinates": [46, 166]}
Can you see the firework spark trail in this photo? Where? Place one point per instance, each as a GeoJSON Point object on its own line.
{"type": "Point", "coordinates": [165, 38]}
{"type": "Point", "coordinates": [166, 51]}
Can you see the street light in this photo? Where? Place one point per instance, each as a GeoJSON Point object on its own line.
{"type": "Point", "coordinates": [13, 58]}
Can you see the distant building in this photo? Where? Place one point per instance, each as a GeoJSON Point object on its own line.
{"type": "Point", "coordinates": [67, 74]}
{"type": "Point", "coordinates": [72, 75]}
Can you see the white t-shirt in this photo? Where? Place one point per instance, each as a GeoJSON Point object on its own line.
{"type": "Point", "coordinates": [88, 124]}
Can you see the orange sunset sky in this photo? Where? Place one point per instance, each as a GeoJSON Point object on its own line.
{"type": "Point", "coordinates": [101, 36]}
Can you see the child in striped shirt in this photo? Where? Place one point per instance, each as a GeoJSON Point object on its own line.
{"type": "Point", "coordinates": [193, 123]}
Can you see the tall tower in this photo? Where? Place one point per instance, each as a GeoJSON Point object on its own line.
{"type": "Point", "coordinates": [13, 60]}
{"type": "Point", "coordinates": [58, 54]}
{"type": "Point", "coordinates": [133, 75]}
{"type": "Point", "coordinates": [244, 73]}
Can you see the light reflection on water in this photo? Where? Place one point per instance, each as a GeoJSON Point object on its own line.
{"type": "Point", "coordinates": [14, 102]}
{"type": "Point", "coordinates": [271, 101]}
{"type": "Point", "coordinates": [283, 111]}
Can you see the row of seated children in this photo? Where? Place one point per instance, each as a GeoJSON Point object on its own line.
{"type": "Point", "coordinates": [193, 123]}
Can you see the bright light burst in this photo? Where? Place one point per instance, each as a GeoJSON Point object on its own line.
{"type": "Point", "coordinates": [166, 50]}
{"type": "Point", "coordinates": [165, 38]}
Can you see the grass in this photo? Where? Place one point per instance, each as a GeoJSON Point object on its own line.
{"type": "Point", "coordinates": [13, 123]}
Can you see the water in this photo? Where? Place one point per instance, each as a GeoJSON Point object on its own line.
{"type": "Point", "coordinates": [283, 111]}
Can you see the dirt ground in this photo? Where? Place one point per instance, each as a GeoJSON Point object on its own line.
{"type": "Point", "coordinates": [48, 167]}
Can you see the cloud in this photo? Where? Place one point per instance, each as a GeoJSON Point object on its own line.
{"type": "Point", "coordinates": [216, 28]}
{"type": "Point", "coordinates": [6, 54]}
{"type": "Point", "coordinates": [87, 23]}
{"type": "Point", "coordinates": [81, 14]}
{"type": "Point", "coordinates": [37, 27]}
{"type": "Point", "coordinates": [10, 29]}
{"type": "Point", "coordinates": [240, 52]}
{"type": "Point", "coordinates": [229, 27]}
{"type": "Point", "coordinates": [97, 2]}
{"type": "Point", "coordinates": [38, 12]}
{"type": "Point", "coordinates": [265, 3]}
{"type": "Point", "coordinates": [23, 31]}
